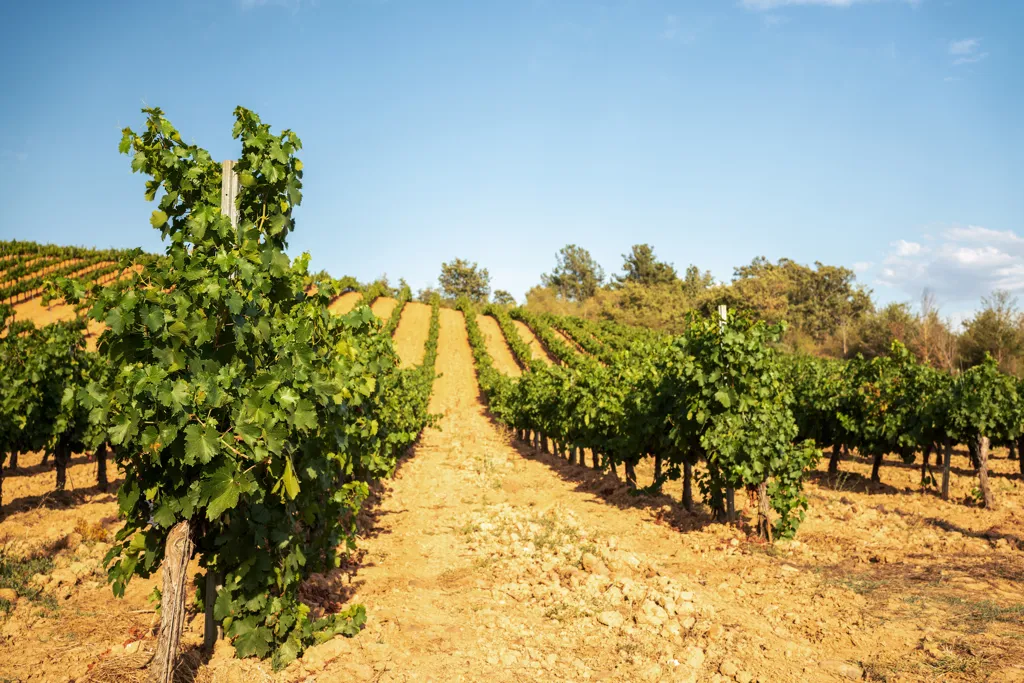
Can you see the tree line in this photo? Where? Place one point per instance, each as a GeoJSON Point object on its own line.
{"type": "Point", "coordinates": [828, 313]}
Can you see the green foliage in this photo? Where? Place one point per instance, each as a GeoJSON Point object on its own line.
{"type": "Point", "coordinates": [236, 401]}
{"type": "Point", "coordinates": [714, 392]}
{"type": "Point", "coordinates": [460, 278]}
{"type": "Point", "coordinates": [641, 267]}
{"type": "Point", "coordinates": [26, 267]}
{"type": "Point", "coordinates": [42, 371]}
{"type": "Point", "coordinates": [733, 404]}
{"type": "Point", "coordinates": [404, 295]}
{"type": "Point", "coordinates": [819, 301]}
{"type": "Point", "coordinates": [995, 330]}
{"type": "Point", "coordinates": [576, 275]}
{"type": "Point", "coordinates": [503, 298]}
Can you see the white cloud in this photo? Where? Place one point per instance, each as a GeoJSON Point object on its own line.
{"type": "Point", "coordinates": [904, 248]}
{"type": "Point", "coordinates": [963, 47]}
{"type": "Point", "coordinates": [966, 51]}
{"type": "Point", "coordinates": [861, 267]}
{"type": "Point", "coordinates": [961, 264]}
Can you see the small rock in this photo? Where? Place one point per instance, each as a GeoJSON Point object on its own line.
{"type": "Point", "coordinates": [80, 569]}
{"type": "Point", "coordinates": [316, 657]}
{"type": "Point", "coordinates": [691, 661]}
{"type": "Point", "coordinates": [653, 620]}
{"type": "Point", "coordinates": [728, 668]}
{"type": "Point", "coordinates": [72, 541]}
{"type": "Point", "coordinates": [844, 669]}
{"type": "Point", "coordinates": [132, 647]}
{"type": "Point", "coordinates": [610, 619]}
{"type": "Point", "coordinates": [744, 677]}
{"type": "Point", "coordinates": [9, 594]}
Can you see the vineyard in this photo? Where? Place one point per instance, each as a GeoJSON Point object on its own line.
{"type": "Point", "coordinates": [217, 466]}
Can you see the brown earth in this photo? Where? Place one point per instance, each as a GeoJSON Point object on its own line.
{"type": "Point", "coordinates": [536, 348]}
{"type": "Point", "coordinates": [497, 346]}
{"type": "Point", "coordinates": [44, 314]}
{"type": "Point", "coordinates": [383, 306]}
{"type": "Point", "coordinates": [57, 310]}
{"type": "Point", "coordinates": [345, 303]}
{"type": "Point", "coordinates": [483, 561]}
{"type": "Point", "coordinates": [412, 332]}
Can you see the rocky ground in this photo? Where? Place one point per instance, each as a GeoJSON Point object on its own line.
{"type": "Point", "coordinates": [482, 560]}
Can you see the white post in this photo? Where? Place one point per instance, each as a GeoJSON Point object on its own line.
{"type": "Point", "coordinates": [229, 192]}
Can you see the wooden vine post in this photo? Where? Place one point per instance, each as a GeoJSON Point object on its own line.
{"type": "Point", "coordinates": [986, 490]}
{"type": "Point", "coordinates": [730, 493]}
{"type": "Point", "coordinates": [180, 544]}
{"type": "Point", "coordinates": [177, 553]}
{"type": "Point", "coordinates": [947, 456]}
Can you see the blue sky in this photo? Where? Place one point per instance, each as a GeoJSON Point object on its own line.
{"type": "Point", "coordinates": [884, 135]}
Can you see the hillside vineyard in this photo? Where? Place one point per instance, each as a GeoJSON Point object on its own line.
{"type": "Point", "coordinates": [317, 478]}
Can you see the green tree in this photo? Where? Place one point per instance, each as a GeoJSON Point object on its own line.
{"type": "Point", "coordinates": [996, 330]}
{"type": "Point", "coordinates": [576, 275]}
{"type": "Point", "coordinates": [822, 301]}
{"type": "Point", "coordinates": [696, 283]}
{"type": "Point", "coordinates": [641, 267]}
{"type": "Point", "coordinates": [462, 278]}
{"type": "Point", "coordinates": [426, 295]}
{"type": "Point", "coordinates": [877, 330]}
{"type": "Point", "coordinates": [245, 417]}
{"type": "Point", "coordinates": [504, 298]}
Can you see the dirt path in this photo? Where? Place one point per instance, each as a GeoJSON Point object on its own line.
{"type": "Point", "coordinates": [345, 303]}
{"type": "Point", "coordinates": [469, 592]}
{"type": "Point", "coordinates": [536, 348]}
{"type": "Point", "coordinates": [497, 346]}
{"type": "Point", "coordinates": [383, 306]}
{"type": "Point", "coordinates": [462, 577]}
{"type": "Point", "coordinates": [412, 332]}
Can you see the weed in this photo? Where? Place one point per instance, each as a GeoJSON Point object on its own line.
{"type": "Point", "coordinates": [957, 659]}
{"type": "Point", "coordinates": [986, 611]}
{"type": "Point", "coordinates": [563, 612]}
{"type": "Point", "coordinates": [91, 531]}
{"type": "Point", "coordinates": [15, 573]}
{"type": "Point", "coordinates": [484, 562]}
{"type": "Point", "coordinates": [840, 483]}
